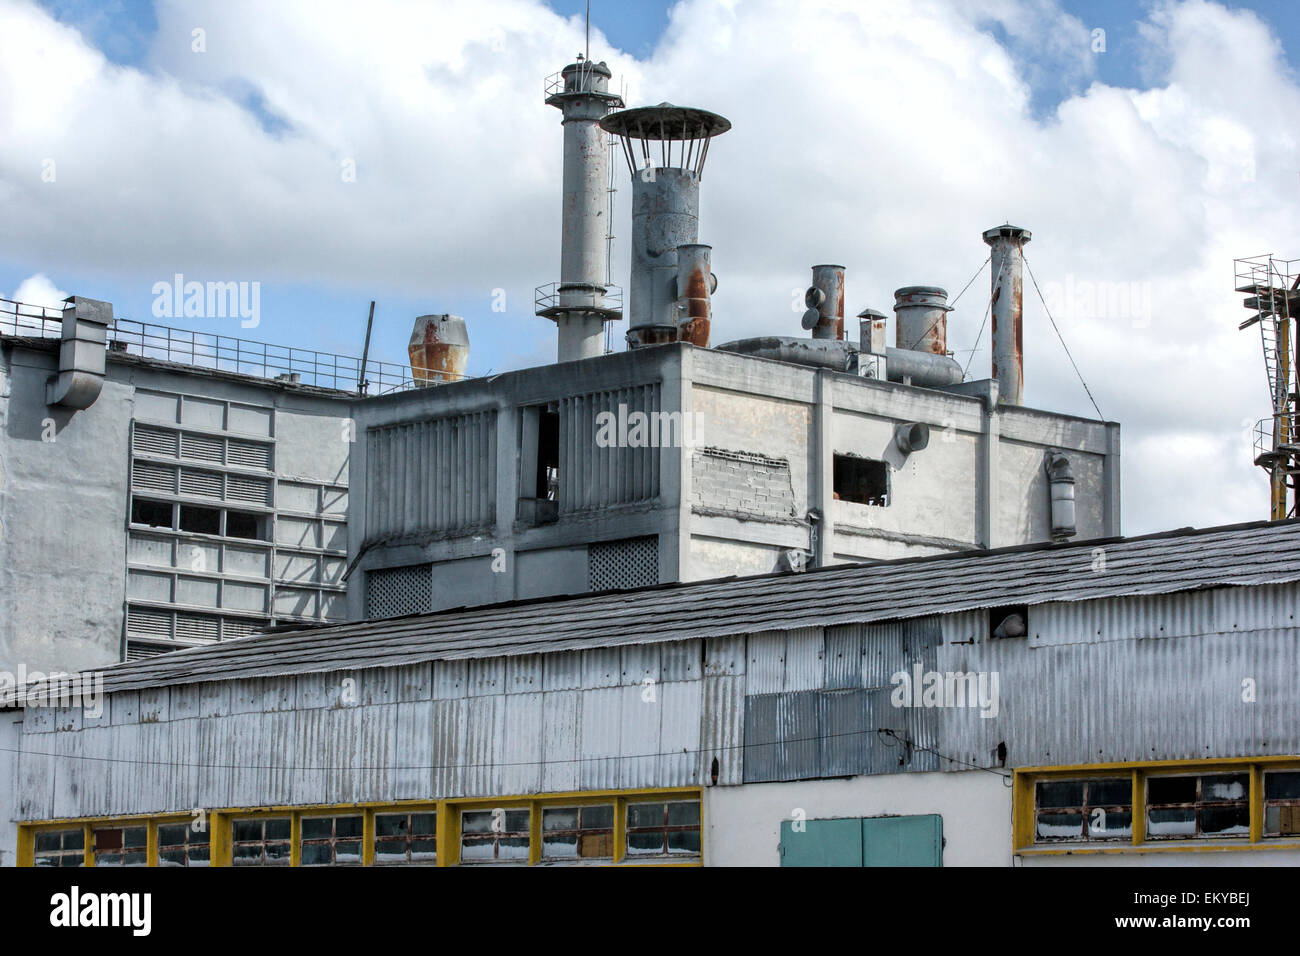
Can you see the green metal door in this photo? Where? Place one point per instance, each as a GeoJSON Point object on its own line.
{"type": "Point", "coordinates": [821, 843]}
{"type": "Point", "coordinates": [903, 841]}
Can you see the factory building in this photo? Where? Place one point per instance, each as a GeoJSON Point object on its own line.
{"type": "Point", "coordinates": [1116, 701]}
{"type": "Point", "coordinates": [164, 488]}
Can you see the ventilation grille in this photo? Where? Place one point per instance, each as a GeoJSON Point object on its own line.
{"type": "Point", "coordinates": [148, 623]}
{"type": "Point", "coordinates": [154, 441]}
{"type": "Point", "coordinates": [138, 650]}
{"type": "Point", "coordinates": [629, 563]}
{"type": "Point", "coordinates": [232, 628]}
{"type": "Point", "coordinates": [391, 592]}
{"type": "Point", "coordinates": [248, 454]}
{"type": "Point", "coordinates": [201, 447]}
{"type": "Point", "coordinates": [254, 490]}
{"type": "Point", "coordinates": [153, 477]}
{"type": "Point", "coordinates": [202, 484]}
{"type": "Point", "coordinates": [197, 627]}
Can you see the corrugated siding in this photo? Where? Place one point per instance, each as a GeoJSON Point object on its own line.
{"type": "Point", "coordinates": [436, 475]}
{"type": "Point", "coordinates": [592, 476]}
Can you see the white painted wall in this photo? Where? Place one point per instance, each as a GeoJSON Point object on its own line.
{"type": "Point", "coordinates": [742, 825]}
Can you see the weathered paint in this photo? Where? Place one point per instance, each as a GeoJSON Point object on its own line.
{"type": "Point", "coordinates": [828, 281]}
{"type": "Point", "coordinates": [1007, 316]}
{"type": "Point", "coordinates": [439, 349]}
{"type": "Point", "coordinates": [921, 322]}
{"type": "Point", "coordinates": [694, 287]}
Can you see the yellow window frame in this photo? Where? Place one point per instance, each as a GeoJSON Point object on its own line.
{"type": "Point", "coordinates": [1025, 780]}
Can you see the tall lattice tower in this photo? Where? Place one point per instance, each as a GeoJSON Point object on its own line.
{"type": "Point", "coordinates": [1273, 297]}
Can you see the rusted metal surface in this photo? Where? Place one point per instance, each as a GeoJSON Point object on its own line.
{"type": "Point", "coordinates": [1007, 312]}
{"type": "Point", "coordinates": [922, 319]}
{"type": "Point", "coordinates": [439, 349]}
{"type": "Point", "coordinates": [828, 281]}
{"type": "Point", "coordinates": [694, 287]}
{"type": "Point", "coordinates": [665, 216]}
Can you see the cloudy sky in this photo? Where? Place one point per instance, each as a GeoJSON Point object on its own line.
{"type": "Point", "coordinates": [1145, 145]}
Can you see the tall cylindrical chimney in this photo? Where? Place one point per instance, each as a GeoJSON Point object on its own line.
{"type": "Point", "coordinates": [578, 304]}
{"type": "Point", "coordinates": [827, 292]}
{"type": "Point", "coordinates": [1007, 263]}
{"type": "Point", "coordinates": [922, 319]}
{"type": "Point", "coordinates": [695, 284]}
{"type": "Point", "coordinates": [665, 214]}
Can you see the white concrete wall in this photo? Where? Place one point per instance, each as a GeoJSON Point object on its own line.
{"type": "Point", "coordinates": [742, 825]}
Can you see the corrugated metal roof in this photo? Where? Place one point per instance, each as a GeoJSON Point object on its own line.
{"type": "Point", "coordinates": [1184, 560]}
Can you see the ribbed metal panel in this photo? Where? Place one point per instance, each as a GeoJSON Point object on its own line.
{"type": "Point", "coordinates": [593, 475]}
{"type": "Point", "coordinates": [560, 741]}
{"type": "Point", "coordinates": [680, 704]}
{"type": "Point", "coordinates": [598, 729]}
{"type": "Point", "coordinates": [521, 755]}
{"type": "Point", "coordinates": [722, 728]}
{"type": "Point", "coordinates": [639, 720]}
{"type": "Point", "coordinates": [433, 475]}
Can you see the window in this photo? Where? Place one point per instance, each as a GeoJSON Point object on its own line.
{"type": "Point", "coordinates": [200, 520]}
{"type": "Point", "coordinates": [241, 524]}
{"type": "Point", "coordinates": [60, 848]}
{"type": "Point", "coordinates": [1210, 805]}
{"type": "Point", "coordinates": [578, 833]}
{"type": "Point", "coordinates": [1282, 803]}
{"type": "Point", "coordinates": [861, 480]}
{"type": "Point", "coordinates": [121, 846]}
{"type": "Point", "coordinates": [155, 514]}
{"type": "Point", "coordinates": [331, 841]}
{"type": "Point", "coordinates": [179, 844]}
{"type": "Point", "coordinates": [548, 453]}
{"type": "Point", "coordinates": [1009, 621]}
{"type": "Point", "coordinates": [406, 838]}
{"type": "Point", "coordinates": [1100, 809]}
{"type": "Point", "coordinates": [663, 829]}
{"type": "Point", "coordinates": [494, 836]}
{"type": "Point", "coordinates": [261, 842]}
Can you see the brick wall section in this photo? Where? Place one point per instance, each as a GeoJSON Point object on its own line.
{"type": "Point", "coordinates": [742, 483]}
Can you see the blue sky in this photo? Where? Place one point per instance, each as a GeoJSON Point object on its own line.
{"type": "Point", "coordinates": [883, 134]}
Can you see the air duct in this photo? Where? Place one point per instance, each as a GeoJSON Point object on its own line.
{"type": "Point", "coordinates": [665, 210]}
{"type": "Point", "coordinates": [695, 284]}
{"type": "Point", "coordinates": [1007, 259]}
{"type": "Point", "coordinates": [439, 349]}
{"type": "Point", "coordinates": [83, 355]}
{"type": "Point", "coordinates": [825, 302]}
{"type": "Point", "coordinates": [922, 319]}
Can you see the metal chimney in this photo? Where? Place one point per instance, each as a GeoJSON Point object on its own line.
{"type": "Point", "coordinates": [922, 319]}
{"type": "Point", "coordinates": [439, 349]}
{"type": "Point", "coordinates": [577, 304]}
{"type": "Point", "coordinates": [1007, 264]}
{"type": "Point", "coordinates": [825, 301]}
{"type": "Point", "coordinates": [665, 212]}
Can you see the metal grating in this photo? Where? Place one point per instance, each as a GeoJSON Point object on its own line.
{"type": "Point", "coordinates": [151, 623]}
{"type": "Point", "coordinates": [204, 484]}
{"type": "Point", "coordinates": [233, 627]}
{"type": "Point", "coordinates": [154, 441]}
{"type": "Point", "coordinates": [255, 490]}
{"type": "Point", "coordinates": [139, 650]}
{"type": "Point", "coordinates": [248, 454]}
{"type": "Point", "coordinates": [153, 477]}
{"type": "Point", "coordinates": [393, 592]}
{"type": "Point", "coordinates": [197, 627]}
{"type": "Point", "coordinates": [201, 447]}
{"type": "Point", "coordinates": [629, 563]}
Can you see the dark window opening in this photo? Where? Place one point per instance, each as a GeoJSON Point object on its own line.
{"type": "Point", "coordinates": [241, 524]}
{"type": "Point", "coordinates": [548, 454]}
{"type": "Point", "coordinates": [861, 480]}
{"type": "Point", "coordinates": [200, 520]}
{"type": "Point", "coordinates": [155, 514]}
{"type": "Point", "coordinates": [1009, 621]}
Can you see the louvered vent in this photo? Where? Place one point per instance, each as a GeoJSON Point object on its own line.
{"type": "Point", "coordinates": [139, 650]}
{"type": "Point", "coordinates": [253, 490]}
{"type": "Point", "coordinates": [197, 627]}
{"type": "Point", "coordinates": [154, 441]}
{"type": "Point", "coordinates": [391, 592]}
{"type": "Point", "coordinates": [238, 627]}
{"type": "Point", "coordinates": [248, 454]}
{"type": "Point", "coordinates": [153, 477]}
{"type": "Point", "coordinates": [203, 484]}
{"type": "Point", "coordinates": [148, 623]}
{"type": "Point", "coordinates": [201, 447]}
{"type": "Point", "coordinates": [629, 563]}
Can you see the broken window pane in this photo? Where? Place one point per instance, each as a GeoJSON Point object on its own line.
{"type": "Point", "coordinates": [1087, 809]}
{"type": "Point", "coordinates": [663, 829]}
{"type": "Point", "coordinates": [200, 520]}
{"type": "Point", "coordinates": [1189, 806]}
{"type": "Point", "coordinates": [331, 841]}
{"type": "Point", "coordinates": [405, 838]}
{"type": "Point", "coordinates": [179, 844]}
{"type": "Point", "coordinates": [578, 833]}
{"type": "Point", "coordinates": [494, 836]}
{"type": "Point", "coordinates": [261, 842]}
{"type": "Point", "coordinates": [120, 846]}
{"type": "Point", "coordinates": [155, 514]}
{"type": "Point", "coordinates": [1282, 803]}
{"type": "Point", "coordinates": [60, 848]}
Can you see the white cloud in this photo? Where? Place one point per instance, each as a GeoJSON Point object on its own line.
{"type": "Point", "coordinates": [883, 136]}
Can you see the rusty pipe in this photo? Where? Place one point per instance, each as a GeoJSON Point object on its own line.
{"type": "Point", "coordinates": [1007, 260]}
